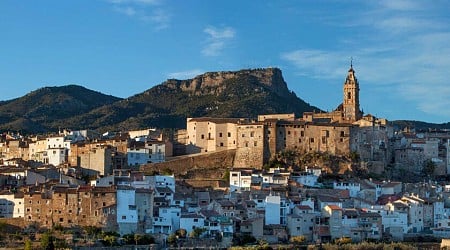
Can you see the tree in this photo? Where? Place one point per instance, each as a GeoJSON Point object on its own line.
{"type": "Point", "coordinates": [172, 239]}
{"type": "Point", "coordinates": [428, 167]}
{"type": "Point", "coordinates": [28, 245]}
{"type": "Point", "coordinates": [354, 156]}
{"type": "Point", "coordinates": [137, 238]}
{"type": "Point", "coordinates": [181, 233]}
{"type": "Point", "coordinates": [128, 239]}
{"type": "Point", "coordinates": [297, 240]}
{"type": "Point", "coordinates": [226, 176]}
{"type": "Point", "coordinates": [47, 241]}
{"type": "Point", "coordinates": [110, 240]}
{"type": "Point", "coordinates": [343, 240]}
{"type": "Point", "coordinates": [197, 232]}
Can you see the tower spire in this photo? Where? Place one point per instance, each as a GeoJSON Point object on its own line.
{"type": "Point", "coordinates": [351, 62]}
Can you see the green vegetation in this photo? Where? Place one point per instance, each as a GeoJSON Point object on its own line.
{"type": "Point", "coordinates": [47, 241]}
{"type": "Point", "coordinates": [247, 94]}
{"type": "Point", "coordinates": [47, 108]}
{"type": "Point", "coordinates": [297, 240]}
{"type": "Point", "coordinates": [428, 168]}
{"type": "Point", "coordinates": [28, 245]}
{"type": "Point", "coordinates": [138, 239]}
{"type": "Point", "coordinates": [197, 232]}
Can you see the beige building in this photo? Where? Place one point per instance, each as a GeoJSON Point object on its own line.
{"type": "Point", "coordinates": [211, 134]}
{"type": "Point", "coordinates": [37, 149]}
{"type": "Point", "coordinates": [71, 206]}
{"type": "Point", "coordinates": [98, 159]}
{"type": "Point", "coordinates": [17, 149]}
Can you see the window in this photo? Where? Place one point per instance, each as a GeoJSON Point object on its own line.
{"type": "Point", "coordinates": [203, 136]}
{"type": "Point", "coordinates": [229, 134]}
{"type": "Point", "coordinates": [221, 144]}
{"type": "Point", "coordinates": [311, 140]}
{"type": "Point", "coordinates": [195, 220]}
{"type": "Point", "coordinates": [255, 143]}
{"type": "Point", "coordinates": [252, 134]}
{"type": "Point", "coordinates": [124, 217]}
{"type": "Point", "coordinates": [220, 134]}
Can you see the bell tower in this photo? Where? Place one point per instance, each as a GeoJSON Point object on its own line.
{"type": "Point", "coordinates": [351, 111]}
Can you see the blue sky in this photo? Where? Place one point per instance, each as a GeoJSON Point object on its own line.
{"type": "Point", "coordinates": [400, 49]}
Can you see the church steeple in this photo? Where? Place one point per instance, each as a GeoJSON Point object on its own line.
{"type": "Point", "coordinates": [351, 111]}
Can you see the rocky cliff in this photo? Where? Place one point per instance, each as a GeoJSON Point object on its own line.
{"type": "Point", "coordinates": [214, 82]}
{"type": "Point", "coordinates": [243, 93]}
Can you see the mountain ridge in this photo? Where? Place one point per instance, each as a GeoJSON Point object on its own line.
{"type": "Point", "coordinates": [242, 93]}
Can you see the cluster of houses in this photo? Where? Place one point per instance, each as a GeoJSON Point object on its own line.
{"type": "Point", "coordinates": [85, 152]}
{"type": "Point", "coordinates": [272, 205]}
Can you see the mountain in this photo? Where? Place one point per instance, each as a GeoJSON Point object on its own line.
{"type": "Point", "coordinates": [47, 108]}
{"type": "Point", "coordinates": [419, 125]}
{"type": "Point", "coordinates": [244, 93]}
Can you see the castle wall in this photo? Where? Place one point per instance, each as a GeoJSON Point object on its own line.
{"type": "Point", "coordinates": [250, 146]}
{"type": "Point", "coordinates": [310, 137]}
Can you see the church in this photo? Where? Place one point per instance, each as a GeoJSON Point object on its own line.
{"type": "Point", "coordinates": [349, 110]}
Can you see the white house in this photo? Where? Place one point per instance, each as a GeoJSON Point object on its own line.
{"type": "Point", "coordinates": [158, 150]}
{"type": "Point", "coordinates": [438, 212]}
{"type": "Point", "coordinates": [317, 171]}
{"type": "Point", "coordinates": [140, 152]}
{"type": "Point", "coordinates": [302, 221]}
{"type": "Point", "coordinates": [167, 221]}
{"type": "Point", "coordinates": [240, 180]}
{"type": "Point", "coordinates": [306, 178]}
{"type": "Point", "coordinates": [158, 181]}
{"type": "Point", "coordinates": [349, 221]}
{"type": "Point", "coordinates": [352, 187]}
{"type": "Point", "coordinates": [281, 178]}
{"type": "Point", "coordinates": [276, 210]}
{"type": "Point", "coordinates": [413, 206]}
{"type": "Point", "coordinates": [11, 205]}
{"type": "Point", "coordinates": [127, 216]}
{"type": "Point", "coordinates": [58, 150]}
{"type": "Point", "coordinates": [191, 221]}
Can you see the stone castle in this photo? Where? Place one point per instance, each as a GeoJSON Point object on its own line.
{"type": "Point", "coordinates": [339, 132]}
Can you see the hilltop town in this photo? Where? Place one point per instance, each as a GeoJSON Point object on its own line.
{"type": "Point", "coordinates": [339, 176]}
